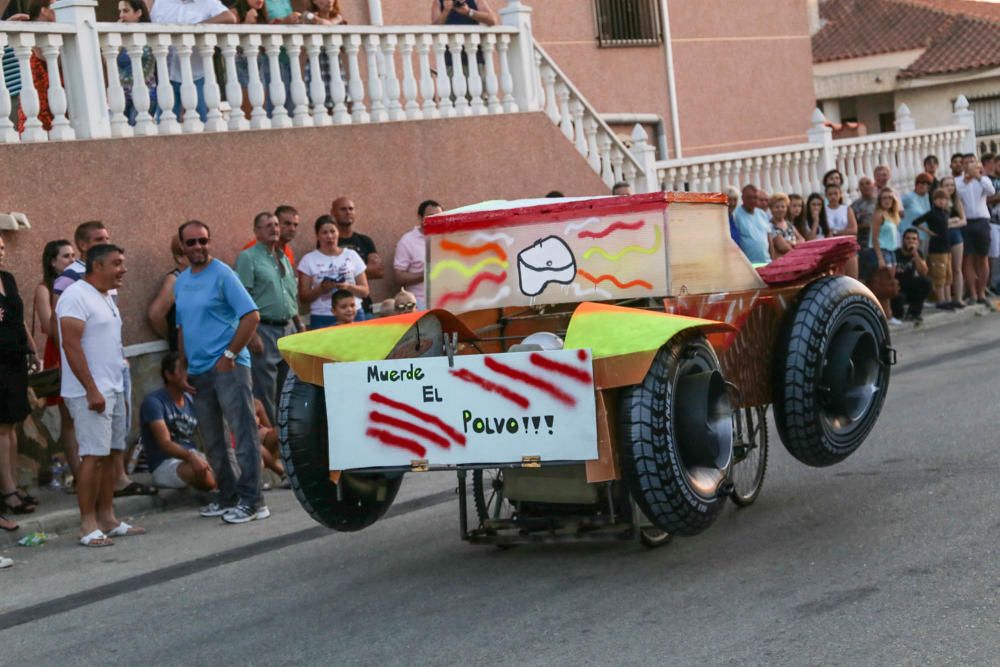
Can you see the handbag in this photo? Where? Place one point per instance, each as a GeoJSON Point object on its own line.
{"type": "Point", "coordinates": [884, 284]}
{"type": "Point", "coordinates": [45, 384]}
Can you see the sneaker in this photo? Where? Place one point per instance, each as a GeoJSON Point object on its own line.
{"type": "Point", "coordinates": [263, 512]}
{"type": "Point", "coordinates": [957, 305]}
{"type": "Point", "coordinates": [893, 322]}
{"type": "Point", "coordinates": [917, 320]}
{"type": "Point", "coordinates": [945, 305]}
{"type": "Point", "coordinates": [213, 509]}
{"type": "Point", "coordinates": [242, 513]}
{"type": "Point", "coordinates": [987, 303]}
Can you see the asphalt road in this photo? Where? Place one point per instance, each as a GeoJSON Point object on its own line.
{"type": "Point", "coordinates": [890, 558]}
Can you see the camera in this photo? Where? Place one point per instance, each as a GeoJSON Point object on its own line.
{"type": "Point", "coordinates": [458, 3]}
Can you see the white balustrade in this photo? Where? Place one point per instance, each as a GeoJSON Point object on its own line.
{"type": "Point", "coordinates": [583, 127]}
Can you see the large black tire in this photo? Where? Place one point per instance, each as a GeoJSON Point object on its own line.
{"type": "Point", "coordinates": [678, 485]}
{"type": "Point", "coordinates": [832, 371]}
{"type": "Point", "coordinates": [359, 500]}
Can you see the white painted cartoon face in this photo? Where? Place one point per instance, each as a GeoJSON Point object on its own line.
{"type": "Point", "coordinates": [548, 260]}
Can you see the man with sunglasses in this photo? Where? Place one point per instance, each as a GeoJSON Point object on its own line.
{"type": "Point", "coordinates": [216, 319]}
{"type": "Point", "coordinates": [267, 275]}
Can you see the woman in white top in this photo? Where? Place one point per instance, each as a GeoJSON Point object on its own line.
{"type": "Point", "coordinates": [329, 268]}
{"type": "Point", "coordinates": [840, 218]}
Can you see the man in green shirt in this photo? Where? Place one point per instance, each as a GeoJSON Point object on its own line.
{"type": "Point", "coordinates": [267, 275]}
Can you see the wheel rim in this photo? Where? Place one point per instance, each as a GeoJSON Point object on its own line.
{"type": "Point", "coordinates": [851, 376]}
{"type": "Point", "coordinates": [747, 472]}
{"type": "Point", "coordinates": [702, 417]}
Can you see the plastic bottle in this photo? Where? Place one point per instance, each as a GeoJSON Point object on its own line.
{"type": "Point", "coordinates": [58, 471]}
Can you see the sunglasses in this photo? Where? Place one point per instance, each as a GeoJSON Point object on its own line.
{"type": "Point", "coordinates": [405, 307]}
{"type": "Point", "coordinates": [193, 242]}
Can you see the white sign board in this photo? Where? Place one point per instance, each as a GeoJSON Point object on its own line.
{"type": "Point", "coordinates": [493, 408]}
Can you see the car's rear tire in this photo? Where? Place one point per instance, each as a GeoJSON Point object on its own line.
{"type": "Point", "coordinates": [832, 371]}
{"type": "Point", "coordinates": [676, 438]}
{"type": "Point", "coordinates": [359, 500]}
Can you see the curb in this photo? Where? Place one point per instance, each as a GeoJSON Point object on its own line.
{"type": "Point", "coordinates": [935, 319]}
{"type": "Point", "coordinates": [62, 521]}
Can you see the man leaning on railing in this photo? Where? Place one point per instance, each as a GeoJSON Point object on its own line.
{"type": "Point", "coordinates": [189, 12]}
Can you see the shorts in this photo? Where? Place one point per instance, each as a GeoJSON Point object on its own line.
{"type": "Point", "coordinates": [977, 237]}
{"type": "Point", "coordinates": [889, 257]}
{"type": "Point", "coordinates": [956, 236]}
{"type": "Point", "coordinates": [97, 433]}
{"type": "Point", "coordinates": [994, 240]}
{"type": "Point", "coordinates": [940, 265]}
{"type": "Point", "coordinates": [165, 476]}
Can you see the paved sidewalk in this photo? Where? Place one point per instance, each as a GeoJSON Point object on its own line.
{"type": "Point", "coordinates": [58, 513]}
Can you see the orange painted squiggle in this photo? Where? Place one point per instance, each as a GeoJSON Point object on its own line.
{"type": "Point", "coordinates": [471, 251]}
{"type": "Point", "coordinates": [610, 278]}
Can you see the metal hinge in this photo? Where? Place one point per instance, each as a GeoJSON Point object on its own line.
{"type": "Point", "coordinates": [531, 461]}
{"type": "Point", "coordinates": [419, 465]}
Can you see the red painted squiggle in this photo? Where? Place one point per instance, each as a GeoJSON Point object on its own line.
{"type": "Point", "coordinates": [608, 277]}
{"type": "Point", "coordinates": [578, 374]}
{"type": "Point", "coordinates": [419, 414]}
{"type": "Point", "coordinates": [392, 440]}
{"type": "Point", "coordinates": [612, 228]}
{"type": "Point", "coordinates": [549, 388]}
{"type": "Point", "coordinates": [420, 431]}
{"type": "Point", "coordinates": [462, 296]}
{"type": "Point", "coordinates": [471, 251]}
{"type": "Point", "coordinates": [492, 387]}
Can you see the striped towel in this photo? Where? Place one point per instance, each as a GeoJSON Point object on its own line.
{"type": "Point", "coordinates": [11, 72]}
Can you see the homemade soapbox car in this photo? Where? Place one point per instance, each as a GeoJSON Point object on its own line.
{"type": "Point", "coordinates": [598, 368]}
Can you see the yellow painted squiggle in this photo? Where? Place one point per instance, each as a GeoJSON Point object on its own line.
{"type": "Point", "coordinates": [467, 271]}
{"type": "Point", "coordinates": [627, 249]}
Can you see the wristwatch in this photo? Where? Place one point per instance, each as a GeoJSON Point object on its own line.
{"type": "Point", "coordinates": [472, 13]}
{"type": "Point", "coordinates": [228, 354]}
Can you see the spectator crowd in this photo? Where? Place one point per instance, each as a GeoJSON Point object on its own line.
{"type": "Point", "coordinates": [939, 240]}
{"type": "Point", "coordinates": [221, 376]}
{"type": "Point", "coordinates": [193, 12]}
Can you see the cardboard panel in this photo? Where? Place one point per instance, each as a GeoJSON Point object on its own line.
{"type": "Point", "coordinates": [544, 261]}
{"type": "Point", "coordinates": [485, 409]}
{"type": "Point", "coordinates": [703, 257]}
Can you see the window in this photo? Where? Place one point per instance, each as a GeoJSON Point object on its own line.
{"type": "Point", "coordinates": [628, 22]}
{"type": "Point", "coordinates": [987, 110]}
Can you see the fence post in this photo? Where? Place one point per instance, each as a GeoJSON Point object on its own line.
{"type": "Point", "coordinates": [645, 155]}
{"type": "Point", "coordinates": [522, 55]}
{"type": "Point", "coordinates": [963, 115]}
{"type": "Point", "coordinates": [904, 120]}
{"type": "Point", "coordinates": [820, 133]}
{"type": "Point", "coordinates": [82, 69]}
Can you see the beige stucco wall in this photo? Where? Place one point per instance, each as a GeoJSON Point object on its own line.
{"type": "Point", "coordinates": [143, 188]}
{"type": "Point", "coordinates": [934, 105]}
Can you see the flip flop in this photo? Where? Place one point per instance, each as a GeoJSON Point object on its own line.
{"type": "Point", "coordinates": [96, 539]}
{"type": "Point", "coordinates": [136, 489]}
{"type": "Point", "coordinates": [7, 524]}
{"type": "Point", "coordinates": [125, 530]}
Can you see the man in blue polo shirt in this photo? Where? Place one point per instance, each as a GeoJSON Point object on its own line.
{"type": "Point", "coordinates": [753, 227]}
{"type": "Point", "coordinates": [216, 318]}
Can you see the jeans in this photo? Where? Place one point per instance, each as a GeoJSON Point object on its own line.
{"type": "Point", "coordinates": [226, 398]}
{"type": "Point", "coordinates": [912, 292]}
{"type": "Point", "coordinates": [199, 85]}
{"type": "Point", "coordinates": [267, 367]}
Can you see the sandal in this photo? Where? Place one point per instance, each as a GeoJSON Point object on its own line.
{"type": "Point", "coordinates": [20, 508]}
{"type": "Point", "coordinates": [7, 524]}
{"type": "Point", "coordinates": [136, 489]}
{"type": "Point", "coordinates": [96, 538]}
{"type": "Point", "coordinates": [27, 499]}
{"type": "Point", "coordinates": [125, 530]}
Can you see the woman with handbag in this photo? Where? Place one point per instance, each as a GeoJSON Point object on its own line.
{"type": "Point", "coordinates": [56, 256]}
{"type": "Point", "coordinates": [885, 242]}
{"type": "Point", "coordinates": [17, 355]}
